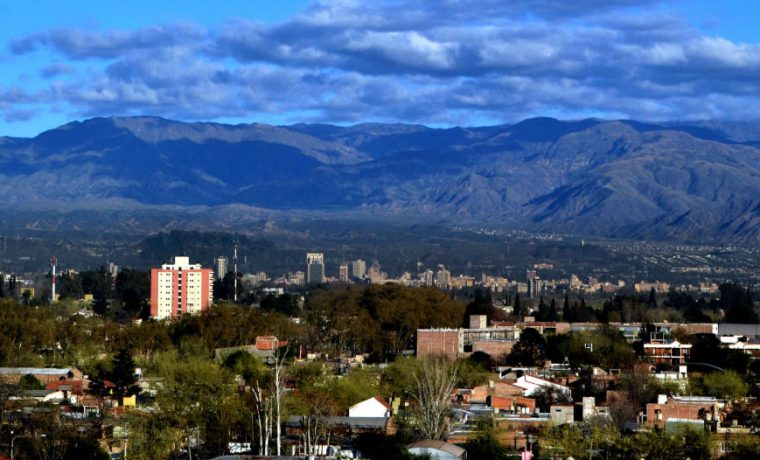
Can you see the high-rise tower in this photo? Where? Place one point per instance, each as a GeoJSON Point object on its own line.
{"type": "Point", "coordinates": [315, 268]}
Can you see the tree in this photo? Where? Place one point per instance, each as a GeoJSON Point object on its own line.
{"type": "Point", "coordinates": [199, 400]}
{"type": "Point", "coordinates": [566, 308]}
{"type": "Point", "coordinates": [12, 285]}
{"type": "Point", "coordinates": [481, 304]}
{"type": "Point", "coordinates": [517, 308]}
{"type": "Point", "coordinates": [543, 311]}
{"type": "Point", "coordinates": [738, 304]}
{"type": "Point", "coordinates": [652, 302]}
{"type": "Point", "coordinates": [580, 440]}
{"type": "Point", "coordinates": [706, 348]}
{"type": "Point", "coordinates": [486, 445]}
{"type": "Point", "coordinates": [398, 378]}
{"type": "Point", "coordinates": [151, 436]}
{"type": "Point", "coordinates": [433, 385]}
{"type": "Point", "coordinates": [30, 382]}
{"type": "Point", "coordinates": [122, 375]}
{"type": "Point", "coordinates": [529, 351]}
{"type": "Point", "coordinates": [70, 285]}
{"type": "Point", "coordinates": [376, 446]}
{"type": "Point", "coordinates": [746, 449]}
{"type": "Point", "coordinates": [285, 304]}
{"type": "Point", "coordinates": [655, 445]}
{"type": "Point", "coordinates": [224, 289]}
{"type": "Point", "coordinates": [132, 288]}
{"type": "Point", "coordinates": [553, 311]}
{"type": "Point", "coordinates": [727, 384]}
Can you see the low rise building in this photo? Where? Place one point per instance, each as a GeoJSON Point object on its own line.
{"type": "Point", "coordinates": [45, 375]}
{"type": "Point", "coordinates": [454, 343]}
{"type": "Point", "coordinates": [681, 408]}
{"type": "Point", "coordinates": [661, 351]}
{"type": "Point", "coordinates": [376, 406]}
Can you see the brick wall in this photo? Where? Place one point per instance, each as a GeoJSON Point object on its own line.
{"type": "Point", "coordinates": [438, 342]}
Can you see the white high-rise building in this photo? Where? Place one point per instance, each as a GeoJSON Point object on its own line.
{"type": "Point", "coordinates": [221, 267]}
{"type": "Point", "coordinates": [358, 268]}
{"type": "Point", "coordinates": [343, 272]}
{"type": "Point", "coordinates": [315, 268]}
{"type": "Point", "coordinates": [442, 277]}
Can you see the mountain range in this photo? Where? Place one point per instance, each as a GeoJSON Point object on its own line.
{"type": "Point", "coordinates": [686, 182]}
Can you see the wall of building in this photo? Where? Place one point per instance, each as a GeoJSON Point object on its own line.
{"type": "Point", "coordinates": [432, 342]}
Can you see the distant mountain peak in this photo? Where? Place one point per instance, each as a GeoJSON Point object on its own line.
{"type": "Point", "coordinates": [679, 181]}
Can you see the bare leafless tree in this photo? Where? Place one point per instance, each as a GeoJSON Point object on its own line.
{"type": "Point", "coordinates": [279, 380]}
{"type": "Point", "coordinates": [433, 386]}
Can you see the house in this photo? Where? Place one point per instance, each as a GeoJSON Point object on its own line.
{"type": "Point", "coordinates": [562, 413]}
{"type": "Point", "coordinates": [480, 393]}
{"type": "Point", "coordinates": [531, 385]}
{"type": "Point", "coordinates": [436, 450]}
{"type": "Point", "coordinates": [341, 427]}
{"type": "Point", "coordinates": [681, 408]}
{"type": "Point", "coordinates": [680, 377]}
{"type": "Point", "coordinates": [372, 407]}
{"type": "Point", "coordinates": [661, 351]}
{"type": "Point", "coordinates": [265, 347]}
{"type": "Point", "coordinates": [518, 404]}
{"type": "Point", "coordinates": [43, 374]}
{"type": "Point", "coordinates": [75, 387]}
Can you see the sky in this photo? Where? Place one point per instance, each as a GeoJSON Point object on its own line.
{"type": "Point", "coordinates": [437, 62]}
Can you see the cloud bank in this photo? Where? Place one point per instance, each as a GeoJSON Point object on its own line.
{"type": "Point", "coordinates": [434, 62]}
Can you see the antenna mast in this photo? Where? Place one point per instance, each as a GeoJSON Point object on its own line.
{"type": "Point", "coordinates": [52, 294]}
{"type": "Point", "coordinates": [234, 260]}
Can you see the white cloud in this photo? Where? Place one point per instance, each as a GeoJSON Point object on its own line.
{"type": "Point", "coordinates": [439, 61]}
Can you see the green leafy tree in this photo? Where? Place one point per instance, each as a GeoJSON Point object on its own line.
{"type": "Point", "coordinates": [738, 303]}
{"type": "Point", "coordinates": [198, 397]}
{"type": "Point", "coordinates": [727, 384]}
{"type": "Point", "coordinates": [132, 288]}
{"type": "Point", "coordinates": [579, 440]}
{"type": "Point", "coordinates": [122, 375]}
{"type": "Point", "coordinates": [654, 445]}
{"type": "Point", "coordinates": [70, 285]}
{"type": "Point", "coordinates": [286, 304]}
{"type": "Point", "coordinates": [652, 302]}
{"type": "Point", "coordinates": [566, 308]}
{"type": "Point", "coordinates": [30, 382]}
{"type": "Point", "coordinates": [486, 444]}
{"type": "Point", "coordinates": [529, 351]}
{"type": "Point", "coordinates": [517, 307]}
{"type": "Point", "coordinates": [481, 304]}
{"type": "Point", "coordinates": [151, 435]}
{"type": "Point", "coordinates": [553, 316]}
{"type": "Point", "coordinates": [376, 446]}
{"type": "Point", "coordinates": [745, 449]}
{"type": "Point", "coordinates": [543, 310]}
{"type": "Point", "coordinates": [398, 377]}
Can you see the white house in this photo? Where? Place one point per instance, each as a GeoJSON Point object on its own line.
{"type": "Point", "coordinates": [531, 384]}
{"type": "Point", "coordinates": [372, 407]}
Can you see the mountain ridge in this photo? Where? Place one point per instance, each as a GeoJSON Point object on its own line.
{"type": "Point", "coordinates": [675, 181]}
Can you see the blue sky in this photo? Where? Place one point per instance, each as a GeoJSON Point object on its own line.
{"type": "Point", "coordinates": [438, 62]}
